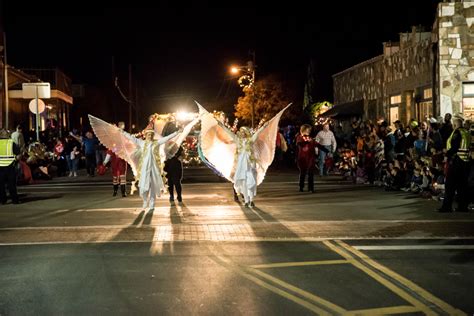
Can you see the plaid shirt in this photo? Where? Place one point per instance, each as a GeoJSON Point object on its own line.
{"type": "Point", "coordinates": [327, 139]}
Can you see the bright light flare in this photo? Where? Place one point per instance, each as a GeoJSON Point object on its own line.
{"type": "Point", "coordinates": [185, 116]}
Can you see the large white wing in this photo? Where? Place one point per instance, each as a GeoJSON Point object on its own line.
{"type": "Point", "coordinates": [264, 143]}
{"type": "Point", "coordinates": [217, 144]}
{"type": "Point", "coordinates": [171, 147]}
{"type": "Point", "coordinates": [115, 139]}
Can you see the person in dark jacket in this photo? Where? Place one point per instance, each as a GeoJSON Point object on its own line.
{"type": "Point", "coordinates": [458, 146]}
{"type": "Point", "coordinates": [306, 158]}
{"type": "Point", "coordinates": [174, 174]}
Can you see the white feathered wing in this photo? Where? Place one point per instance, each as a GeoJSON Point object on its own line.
{"type": "Point", "coordinates": [114, 139]}
{"type": "Point", "coordinates": [217, 144]}
{"type": "Point", "coordinates": [264, 143]}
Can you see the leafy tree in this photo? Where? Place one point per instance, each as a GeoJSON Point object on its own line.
{"type": "Point", "coordinates": [268, 98]}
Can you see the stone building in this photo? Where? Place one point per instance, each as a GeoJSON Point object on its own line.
{"type": "Point", "coordinates": [424, 74]}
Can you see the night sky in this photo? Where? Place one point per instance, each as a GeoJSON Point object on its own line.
{"type": "Point", "coordinates": [184, 51]}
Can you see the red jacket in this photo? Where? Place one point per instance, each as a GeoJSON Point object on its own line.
{"type": "Point", "coordinates": [306, 152]}
{"type": "Point", "coordinates": [119, 166]}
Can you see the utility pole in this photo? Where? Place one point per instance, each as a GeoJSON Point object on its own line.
{"type": "Point", "coordinates": [251, 70]}
{"type": "Point", "coordinates": [136, 104]}
{"type": "Point", "coordinates": [5, 78]}
{"type": "Point", "coordinates": [130, 92]}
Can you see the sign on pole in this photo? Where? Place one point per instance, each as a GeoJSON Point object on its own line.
{"type": "Point", "coordinates": [30, 89]}
{"type": "Point", "coordinates": [32, 106]}
{"type": "Point", "coordinates": [36, 90]}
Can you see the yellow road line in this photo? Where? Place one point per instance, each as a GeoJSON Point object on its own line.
{"type": "Point", "coordinates": [384, 311]}
{"type": "Point", "coordinates": [403, 294]}
{"type": "Point", "coordinates": [296, 264]}
{"type": "Point", "coordinates": [234, 267]}
{"type": "Point", "coordinates": [303, 293]}
{"type": "Point", "coordinates": [409, 284]}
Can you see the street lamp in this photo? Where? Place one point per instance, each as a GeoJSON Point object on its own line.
{"type": "Point", "coordinates": [247, 79]}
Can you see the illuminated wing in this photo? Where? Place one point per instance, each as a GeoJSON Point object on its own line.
{"type": "Point", "coordinates": [158, 126]}
{"type": "Point", "coordinates": [264, 143]}
{"type": "Point", "coordinates": [115, 139]}
{"type": "Point", "coordinates": [217, 144]}
{"type": "Point", "coordinates": [172, 145]}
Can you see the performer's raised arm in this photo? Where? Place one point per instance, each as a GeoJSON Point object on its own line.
{"type": "Point", "coordinates": [78, 138]}
{"type": "Point", "coordinates": [167, 138]}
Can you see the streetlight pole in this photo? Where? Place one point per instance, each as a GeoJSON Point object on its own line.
{"type": "Point", "coordinates": [5, 79]}
{"type": "Point", "coordinates": [247, 81]}
{"type": "Point", "coordinates": [251, 68]}
{"type": "Point", "coordinates": [130, 97]}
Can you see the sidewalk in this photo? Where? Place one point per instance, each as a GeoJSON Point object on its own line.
{"type": "Point", "coordinates": [190, 175]}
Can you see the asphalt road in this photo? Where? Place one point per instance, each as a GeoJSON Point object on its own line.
{"type": "Point", "coordinates": [71, 248]}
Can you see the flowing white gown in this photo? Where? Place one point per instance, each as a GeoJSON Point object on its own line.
{"type": "Point", "coordinates": [242, 160]}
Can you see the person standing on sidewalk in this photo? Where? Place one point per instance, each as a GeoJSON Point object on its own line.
{"type": "Point", "coordinates": [326, 138]}
{"type": "Point", "coordinates": [90, 144]}
{"type": "Point", "coordinates": [458, 156]}
{"type": "Point", "coordinates": [18, 139]}
{"type": "Point", "coordinates": [8, 157]}
{"type": "Point", "coordinates": [71, 154]}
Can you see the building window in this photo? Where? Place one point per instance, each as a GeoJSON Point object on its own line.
{"type": "Point", "coordinates": [393, 115]}
{"type": "Point", "coordinates": [427, 94]}
{"type": "Point", "coordinates": [396, 99]}
{"type": "Point", "coordinates": [468, 99]}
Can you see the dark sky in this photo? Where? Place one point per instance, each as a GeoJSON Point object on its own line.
{"type": "Point", "coordinates": [185, 50]}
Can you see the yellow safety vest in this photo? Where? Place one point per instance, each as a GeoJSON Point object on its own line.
{"type": "Point", "coordinates": [463, 151]}
{"type": "Point", "coordinates": [7, 157]}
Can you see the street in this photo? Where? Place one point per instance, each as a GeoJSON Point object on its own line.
{"type": "Point", "coordinates": [72, 248]}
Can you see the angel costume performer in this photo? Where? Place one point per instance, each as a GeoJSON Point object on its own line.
{"type": "Point", "coordinates": [241, 158]}
{"type": "Point", "coordinates": [144, 156]}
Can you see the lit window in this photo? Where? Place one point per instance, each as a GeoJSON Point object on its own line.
{"type": "Point", "coordinates": [468, 99]}
{"type": "Point", "coordinates": [427, 93]}
{"type": "Point", "coordinates": [468, 89]}
{"type": "Point", "coordinates": [396, 99]}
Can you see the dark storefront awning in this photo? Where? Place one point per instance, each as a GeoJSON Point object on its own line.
{"type": "Point", "coordinates": [349, 109]}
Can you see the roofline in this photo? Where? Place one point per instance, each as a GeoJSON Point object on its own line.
{"type": "Point", "coordinates": [364, 63]}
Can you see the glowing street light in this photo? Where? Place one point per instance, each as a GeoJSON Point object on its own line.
{"type": "Point", "coordinates": [248, 74]}
{"type": "Point", "coordinates": [247, 79]}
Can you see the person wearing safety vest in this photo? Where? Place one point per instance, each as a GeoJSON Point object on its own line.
{"type": "Point", "coordinates": [8, 156]}
{"type": "Point", "coordinates": [458, 154]}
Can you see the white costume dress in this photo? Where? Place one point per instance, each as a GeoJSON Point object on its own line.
{"type": "Point", "coordinates": [151, 183]}
{"type": "Point", "coordinates": [241, 160]}
{"type": "Point", "coordinates": [245, 176]}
